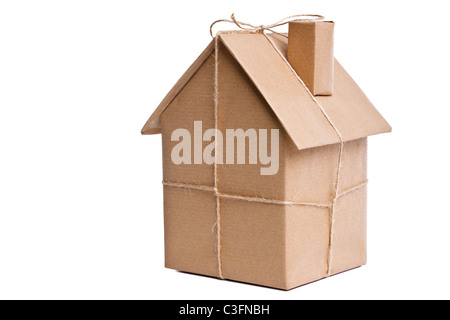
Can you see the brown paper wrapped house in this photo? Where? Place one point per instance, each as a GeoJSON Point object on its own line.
{"type": "Point", "coordinates": [296, 219]}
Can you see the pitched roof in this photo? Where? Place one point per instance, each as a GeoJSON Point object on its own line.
{"type": "Point", "coordinates": [348, 108]}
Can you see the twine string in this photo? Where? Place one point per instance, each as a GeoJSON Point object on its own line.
{"type": "Point", "coordinates": [216, 102]}
{"type": "Point", "coordinates": [262, 199]}
{"type": "Point", "coordinates": [250, 27]}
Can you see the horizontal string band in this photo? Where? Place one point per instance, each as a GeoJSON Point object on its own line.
{"type": "Point", "coordinates": [262, 199]}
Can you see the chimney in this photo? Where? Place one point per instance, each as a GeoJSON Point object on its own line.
{"type": "Point", "coordinates": [310, 53]}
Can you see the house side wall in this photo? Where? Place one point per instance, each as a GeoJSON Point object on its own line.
{"type": "Point", "coordinates": [311, 178]}
{"type": "Point", "coordinates": [350, 221]}
{"type": "Point", "coordinates": [311, 173]}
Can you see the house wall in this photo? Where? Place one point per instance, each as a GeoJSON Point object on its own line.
{"type": "Point", "coordinates": [350, 225]}
{"type": "Point", "coordinates": [311, 173]}
{"type": "Point", "coordinates": [311, 178]}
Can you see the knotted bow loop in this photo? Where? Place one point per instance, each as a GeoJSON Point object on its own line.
{"type": "Point", "coordinates": [249, 27]}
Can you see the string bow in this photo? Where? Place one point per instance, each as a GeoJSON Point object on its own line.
{"type": "Point", "coordinates": [262, 28]}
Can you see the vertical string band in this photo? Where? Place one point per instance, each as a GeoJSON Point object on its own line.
{"type": "Point", "coordinates": [216, 102]}
{"type": "Point", "coordinates": [333, 209]}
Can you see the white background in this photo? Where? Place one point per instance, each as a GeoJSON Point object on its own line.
{"type": "Point", "coordinates": [81, 212]}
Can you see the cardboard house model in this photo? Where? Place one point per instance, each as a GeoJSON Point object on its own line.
{"type": "Point", "coordinates": [228, 220]}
